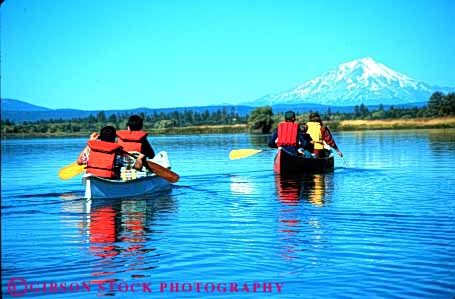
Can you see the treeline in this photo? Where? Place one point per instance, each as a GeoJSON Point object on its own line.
{"type": "Point", "coordinates": [439, 105]}
{"type": "Point", "coordinates": [152, 121]}
{"type": "Point", "coordinates": [261, 119]}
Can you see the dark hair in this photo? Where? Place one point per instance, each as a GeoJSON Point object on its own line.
{"type": "Point", "coordinates": [135, 123]}
{"type": "Point", "coordinates": [315, 117]}
{"type": "Point", "coordinates": [108, 134]}
{"type": "Point", "coordinates": [289, 116]}
{"type": "Point", "coordinates": [303, 127]}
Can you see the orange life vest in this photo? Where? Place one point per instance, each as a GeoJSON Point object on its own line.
{"type": "Point", "coordinates": [102, 158]}
{"type": "Point", "coordinates": [287, 134]}
{"type": "Point", "coordinates": [131, 141]}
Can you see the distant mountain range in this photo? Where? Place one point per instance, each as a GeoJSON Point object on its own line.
{"type": "Point", "coordinates": [16, 105]}
{"type": "Point", "coordinates": [19, 111]}
{"type": "Point", "coordinates": [362, 81]}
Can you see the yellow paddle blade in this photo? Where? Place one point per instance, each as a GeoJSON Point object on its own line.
{"type": "Point", "coordinates": [70, 171]}
{"type": "Point", "coordinates": [242, 153]}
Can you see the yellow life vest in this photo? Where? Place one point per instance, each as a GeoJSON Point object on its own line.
{"type": "Point", "coordinates": [314, 129]}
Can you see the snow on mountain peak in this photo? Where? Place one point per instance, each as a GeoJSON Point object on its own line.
{"type": "Point", "coordinates": [366, 68]}
{"type": "Point", "coordinates": [359, 81]}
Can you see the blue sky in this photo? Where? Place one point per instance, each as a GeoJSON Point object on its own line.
{"type": "Point", "coordinates": [128, 54]}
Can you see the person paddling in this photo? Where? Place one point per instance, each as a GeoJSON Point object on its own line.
{"type": "Point", "coordinates": [309, 146]}
{"type": "Point", "coordinates": [134, 139]}
{"type": "Point", "coordinates": [103, 156]}
{"type": "Point", "coordinates": [288, 135]}
{"type": "Point", "coordinates": [320, 134]}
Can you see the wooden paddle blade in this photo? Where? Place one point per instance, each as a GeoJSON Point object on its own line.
{"type": "Point", "coordinates": [163, 172]}
{"type": "Point", "coordinates": [71, 171]}
{"type": "Point", "coordinates": [242, 153]}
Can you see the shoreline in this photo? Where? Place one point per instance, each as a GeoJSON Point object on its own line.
{"type": "Point", "coordinates": [335, 126]}
{"type": "Point", "coordinates": [392, 124]}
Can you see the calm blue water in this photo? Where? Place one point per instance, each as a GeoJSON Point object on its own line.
{"type": "Point", "coordinates": [381, 227]}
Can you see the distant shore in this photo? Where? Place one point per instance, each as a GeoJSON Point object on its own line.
{"type": "Point", "coordinates": [344, 125]}
{"type": "Point", "coordinates": [393, 124]}
{"type": "Point", "coordinates": [214, 129]}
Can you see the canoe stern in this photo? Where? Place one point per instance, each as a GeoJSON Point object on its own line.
{"type": "Point", "coordinates": [96, 187]}
{"type": "Point", "coordinates": [286, 163]}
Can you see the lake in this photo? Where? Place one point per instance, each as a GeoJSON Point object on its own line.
{"type": "Point", "coordinates": [382, 226]}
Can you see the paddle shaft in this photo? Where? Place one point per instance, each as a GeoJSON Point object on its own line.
{"type": "Point", "coordinates": [342, 158]}
{"type": "Point", "coordinates": [337, 149]}
{"type": "Point", "coordinates": [157, 169]}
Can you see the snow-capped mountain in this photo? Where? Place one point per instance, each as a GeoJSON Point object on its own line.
{"type": "Point", "coordinates": [353, 83]}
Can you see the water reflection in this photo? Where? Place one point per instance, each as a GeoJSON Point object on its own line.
{"type": "Point", "coordinates": [103, 232]}
{"type": "Point", "coordinates": [259, 140]}
{"type": "Point", "coordinates": [314, 188]}
{"type": "Point", "coordinates": [241, 185]}
{"type": "Point", "coordinates": [119, 232]}
{"type": "Point", "coordinates": [302, 232]}
{"type": "Point", "coordinates": [441, 141]}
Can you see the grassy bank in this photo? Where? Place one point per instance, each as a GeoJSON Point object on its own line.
{"type": "Point", "coordinates": [393, 124]}
{"type": "Point", "coordinates": [345, 125]}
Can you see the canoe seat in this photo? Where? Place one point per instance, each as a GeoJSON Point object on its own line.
{"type": "Point", "coordinates": [128, 172]}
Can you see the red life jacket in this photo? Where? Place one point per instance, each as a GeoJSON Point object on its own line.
{"type": "Point", "coordinates": [102, 158]}
{"type": "Point", "coordinates": [287, 134]}
{"type": "Point", "coordinates": [131, 141]}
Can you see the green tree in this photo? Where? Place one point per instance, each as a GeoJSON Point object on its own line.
{"type": "Point", "coordinates": [163, 124]}
{"type": "Point", "coordinates": [363, 110]}
{"type": "Point", "coordinates": [112, 118]}
{"type": "Point", "coordinates": [357, 111]}
{"type": "Point", "coordinates": [435, 103]}
{"type": "Point", "coordinates": [90, 119]}
{"type": "Point", "coordinates": [261, 118]}
{"type": "Point", "coordinates": [380, 114]}
{"type": "Point", "coordinates": [101, 117]}
{"type": "Point", "coordinates": [448, 105]}
{"type": "Point", "coordinates": [188, 118]}
{"type": "Point", "coordinates": [205, 116]}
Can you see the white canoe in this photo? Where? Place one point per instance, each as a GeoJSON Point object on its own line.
{"type": "Point", "coordinates": [96, 187]}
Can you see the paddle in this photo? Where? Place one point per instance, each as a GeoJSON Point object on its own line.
{"type": "Point", "coordinates": [70, 171]}
{"type": "Point", "coordinates": [159, 170]}
{"type": "Point", "coordinates": [243, 153]}
{"type": "Point", "coordinates": [328, 147]}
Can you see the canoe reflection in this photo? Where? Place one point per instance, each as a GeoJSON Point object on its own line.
{"type": "Point", "coordinates": [119, 232]}
{"type": "Point", "coordinates": [102, 232]}
{"type": "Point", "coordinates": [301, 232]}
{"type": "Point", "coordinates": [312, 188]}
